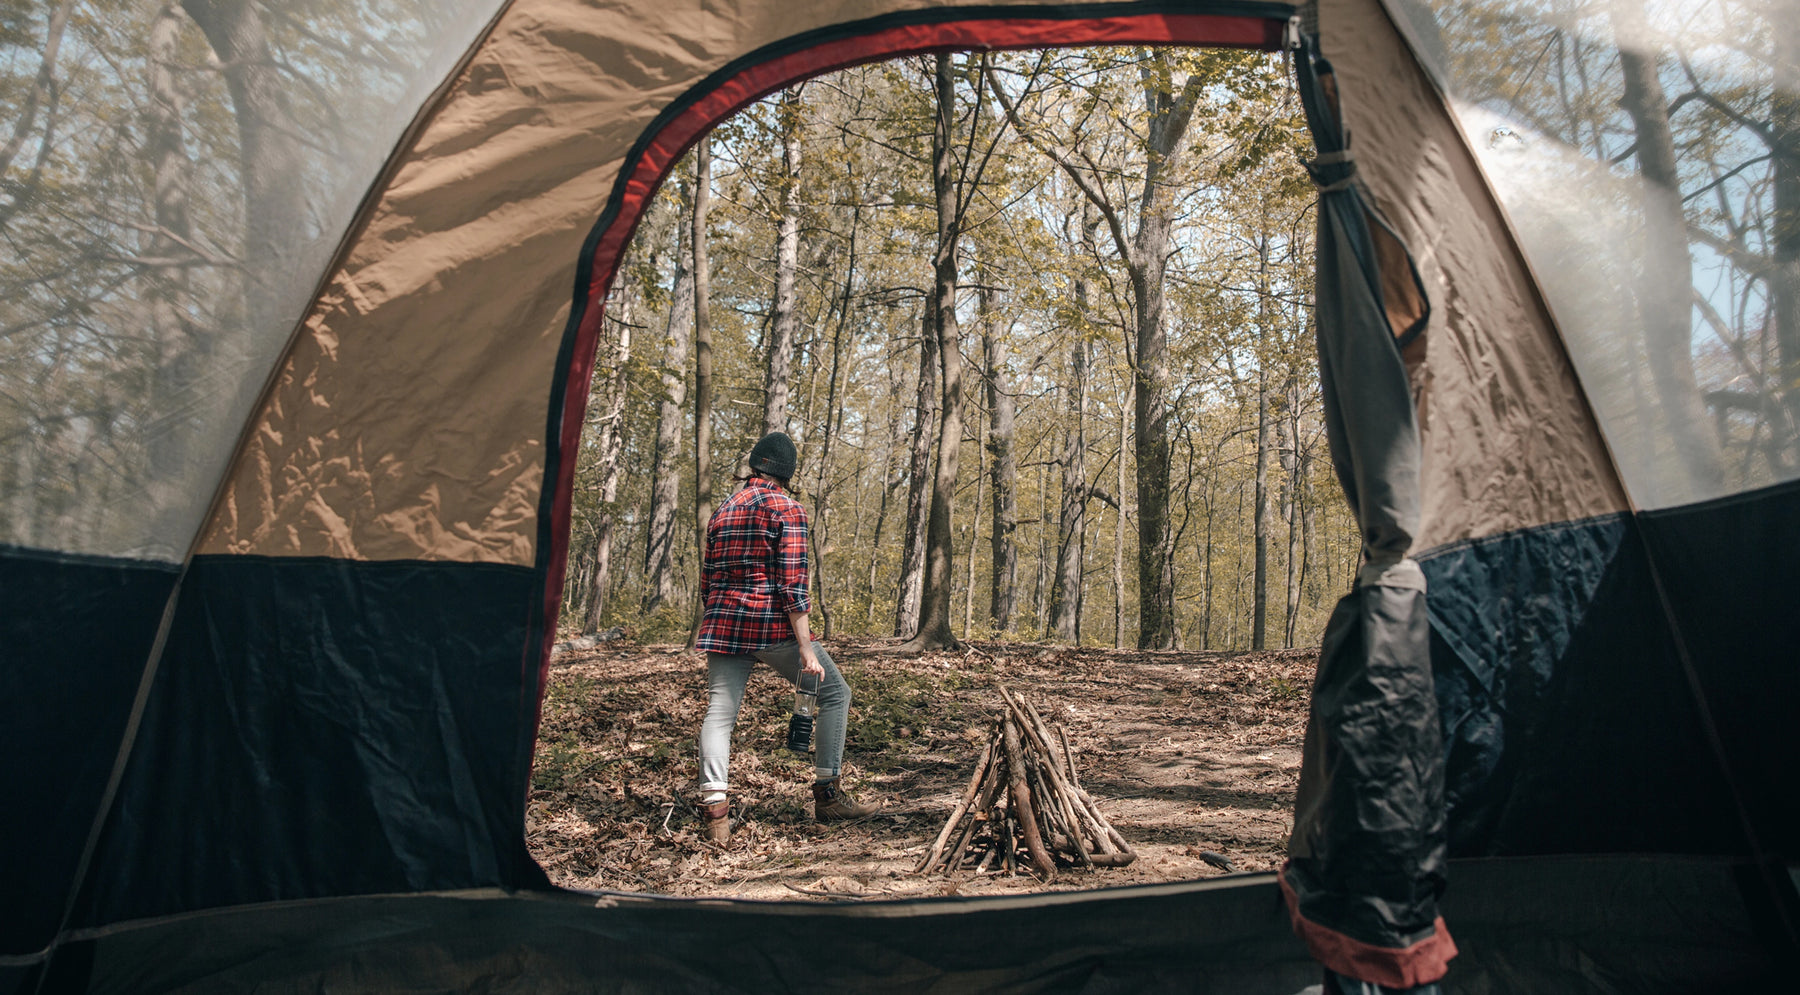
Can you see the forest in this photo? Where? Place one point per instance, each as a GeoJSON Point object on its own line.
{"type": "Point", "coordinates": [1039, 324]}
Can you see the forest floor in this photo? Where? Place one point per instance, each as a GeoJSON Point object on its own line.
{"type": "Point", "coordinates": [1185, 753]}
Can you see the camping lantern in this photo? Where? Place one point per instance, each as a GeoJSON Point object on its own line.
{"type": "Point", "coordinates": [806, 705]}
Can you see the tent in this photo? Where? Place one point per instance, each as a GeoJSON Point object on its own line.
{"type": "Point", "coordinates": [272, 645]}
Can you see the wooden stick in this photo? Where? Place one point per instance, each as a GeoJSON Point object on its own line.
{"type": "Point", "coordinates": [1021, 799]}
{"type": "Point", "coordinates": [988, 791]}
{"type": "Point", "coordinates": [1064, 795]}
{"type": "Point", "coordinates": [1043, 729]}
{"type": "Point", "coordinates": [1037, 720]}
{"type": "Point", "coordinates": [1098, 828]}
{"type": "Point", "coordinates": [1004, 836]}
{"type": "Point", "coordinates": [1048, 812]}
{"type": "Point", "coordinates": [1065, 824]}
{"type": "Point", "coordinates": [1068, 784]}
{"type": "Point", "coordinates": [1113, 834]}
{"type": "Point", "coordinates": [1024, 720]}
{"type": "Point", "coordinates": [982, 809]}
{"type": "Point", "coordinates": [954, 860]}
{"type": "Point", "coordinates": [1029, 721]}
{"type": "Point", "coordinates": [1068, 754]}
{"type": "Point", "coordinates": [968, 795]}
{"type": "Point", "coordinates": [1028, 715]}
{"type": "Point", "coordinates": [1096, 824]}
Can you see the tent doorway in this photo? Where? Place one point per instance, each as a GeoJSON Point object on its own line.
{"type": "Point", "coordinates": [821, 225]}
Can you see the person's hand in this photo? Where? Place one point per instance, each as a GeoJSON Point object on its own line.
{"type": "Point", "coordinates": [809, 661]}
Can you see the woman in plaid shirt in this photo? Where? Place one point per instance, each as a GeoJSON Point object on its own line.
{"type": "Point", "coordinates": [756, 595]}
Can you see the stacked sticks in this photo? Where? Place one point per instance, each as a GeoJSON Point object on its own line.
{"type": "Point", "coordinates": [1025, 805]}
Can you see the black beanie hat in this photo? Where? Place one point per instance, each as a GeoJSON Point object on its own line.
{"type": "Point", "coordinates": [774, 454]}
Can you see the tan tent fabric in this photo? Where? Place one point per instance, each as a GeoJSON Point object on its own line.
{"type": "Point", "coordinates": [418, 384]}
{"type": "Point", "coordinates": [1509, 441]}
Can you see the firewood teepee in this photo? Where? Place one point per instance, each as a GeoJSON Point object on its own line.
{"type": "Point", "coordinates": [1025, 806]}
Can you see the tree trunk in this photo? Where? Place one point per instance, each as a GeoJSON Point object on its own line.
{"type": "Point", "coordinates": [579, 589]}
{"type": "Point", "coordinates": [806, 354]}
{"type": "Point", "coordinates": [890, 482]}
{"type": "Point", "coordinates": [1666, 284]}
{"type": "Point", "coordinates": [1206, 618]}
{"type": "Point", "coordinates": [934, 601]}
{"type": "Point", "coordinates": [1169, 115]}
{"type": "Point", "coordinates": [181, 345]}
{"type": "Point", "coordinates": [1259, 591]}
{"type": "Point", "coordinates": [703, 375]}
{"type": "Point", "coordinates": [268, 150]}
{"type": "Point", "coordinates": [973, 528]}
{"type": "Point", "coordinates": [1308, 517]}
{"type": "Point", "coordinates": [1237, 587]}
{"type": "Point", "coordinates": [1003, 593]}
{"type": "Point", "coordinates": [611, 444]}
{"type": "Point", "coordinates": [1040, 594]}
{"type": "Point", "coordinates": [1784, 276]}
{"type": "Point", "coordinates": [665, 472]}
{"type": "Point", "coordinates": [1065, 597]}
{"type": "Point", "coordinates": [1288, 437]}
{"type": "Point", "coordinates": [821, 534]}
{"type": "Point", "coordinates": [1087, 553]}
{"type": "Point", "coordinates": [1118, 564]}
{"type": "Point", "coordinates": [780, 353]}
{"type": "Point", "coordinates": [1156, 582]}
{"type": "Point", "coordinates": [269, 168]}
{"type": "Point", "coordinates": [918, 487]}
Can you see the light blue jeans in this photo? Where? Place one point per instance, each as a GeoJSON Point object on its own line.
{"type": "Point", "coordinates": [728, 673]}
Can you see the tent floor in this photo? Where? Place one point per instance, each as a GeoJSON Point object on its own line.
{"type": "Point", "coordinates": [1625, 924]}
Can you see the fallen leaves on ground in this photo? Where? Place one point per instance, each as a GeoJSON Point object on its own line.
{"type": "Point", "coordinates": [1192, 756]}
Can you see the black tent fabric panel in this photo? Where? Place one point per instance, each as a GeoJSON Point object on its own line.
{"type": "Point", "coordinates": [1640, 924]}
{"type": "Point", "coordinates": [1219, 937]}
{"type": "Point", "coordinates": [74, 641]}
{"type": "Point", "coordinates": [1367, 857]}
{"type": "Point", "coordinates": [1636, 924]}
{"type": "Point", "coordinates": [1563, 703]}
{"type": "Point", "coordinates": [1731, 569]}
{"type": "Point", "coordinates": [327, 727]}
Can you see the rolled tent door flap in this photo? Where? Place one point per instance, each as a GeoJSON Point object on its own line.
{"type": "Point", "coordinates": [1366, 862]}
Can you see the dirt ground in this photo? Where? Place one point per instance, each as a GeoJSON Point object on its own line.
{"type": "Point", "coordinates": [1185, 752]}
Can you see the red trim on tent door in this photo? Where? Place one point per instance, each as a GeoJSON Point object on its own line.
{"type": "Point", "coordinates": [739, 91]}
{"type": "Point", "coordinates": [1424, 962]}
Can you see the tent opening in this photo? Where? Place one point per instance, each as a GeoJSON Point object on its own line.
{"type": "Point", "coordinates": [1120, 220]}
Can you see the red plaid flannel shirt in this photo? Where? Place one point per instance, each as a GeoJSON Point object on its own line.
{"type": "Point", "coordinates": [755, 570]}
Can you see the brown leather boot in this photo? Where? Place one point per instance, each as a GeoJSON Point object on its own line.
{"type": "Point", "coordinates": [718, 821]}
{"type": "Point", "coordinates": [831, 804]}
